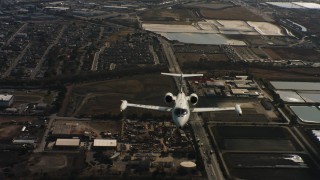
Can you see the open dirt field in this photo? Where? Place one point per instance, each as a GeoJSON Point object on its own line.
{"type": "Point", "coordinates": [105, 96]}
{"type": "Point", "coordinates": [273, 55]}
{"type": "Point", "coordinates": [213, 5]}
{"type": "Point", "coordinates": [47, 163]}
{"type": "Point", "coordinates": [95, 127]}
{"type": "Point", "coordinates": [55, 166]}
{"type": "Point", "coordinates": [295, 54]}
{"type": "Point", "coordinates": [7, 133]}
{"type": "Point", "coordinates": [246, 53]}
{"type": "Point", "coordinates": [192, 57]}
{"type": "Point", "coordinates": [166, 15]}
{"type": "Point", "coordinates": [234, 24]}
{"type": "Point", "coordinates": [31, 96]}
{"type": "Point", "coordinates": [232, 13]}
{"type": "Point", "coordinates": [282, 75]}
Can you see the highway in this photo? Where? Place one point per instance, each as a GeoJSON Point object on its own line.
{"type": "Point", "coordinates": [210, 161]}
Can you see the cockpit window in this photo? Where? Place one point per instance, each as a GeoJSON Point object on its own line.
{"type": "Point", "coordinates": [180, 112]}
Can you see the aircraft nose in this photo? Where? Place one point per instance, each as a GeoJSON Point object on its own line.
{"type": "Point", "coordinates": [180, 122]}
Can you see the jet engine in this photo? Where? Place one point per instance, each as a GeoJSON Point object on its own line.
{"type": "Point", "coordinates": [169, 97]}
{"type": "Point", "coordinates": [238, 109]}
{"type": "Point", "coordinates": [193, 98]}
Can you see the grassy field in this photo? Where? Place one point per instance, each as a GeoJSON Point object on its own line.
{"type": "Point", "coordinates": [33, 96]}
{"type": "Point", "coordinates": [105, 96]}
{"type": "Point", "coordinates": [232, 13]}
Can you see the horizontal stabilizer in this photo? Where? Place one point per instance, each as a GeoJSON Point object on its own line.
{"type": "Point", "coordinates": [181, 75]}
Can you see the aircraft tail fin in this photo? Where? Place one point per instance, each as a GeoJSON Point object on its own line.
{"type": "Point", "coordinates": [181, 77]}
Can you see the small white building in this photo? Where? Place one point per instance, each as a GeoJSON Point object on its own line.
{"type": "Point", "coordinates": [24, 141]}
{"type": "Point", "coordinates": [6, 100]}
{"type": "Point", "coordinates": [240, 92]}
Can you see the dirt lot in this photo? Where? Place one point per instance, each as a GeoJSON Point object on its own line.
{"type": "Point", "coordinates": [105, 96]}
{"type": "Point", "coordinates": [56, 165]}
{"type": "Point", "coordinates": [92, 126]}
{"type": "Point", "coordinates": [232, 13]}
{"type": "Point", "coordinates": [47, 163]}
{"type": "Point", "coordinates": [7, 133]}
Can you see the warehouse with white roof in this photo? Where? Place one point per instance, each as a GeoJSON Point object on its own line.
{"type": "Point", "coordinates": [6, 100]}
{"type": "Point", "coordinates": [105, 144]}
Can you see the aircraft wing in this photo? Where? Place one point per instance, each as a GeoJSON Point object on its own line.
{"type": "Point", "coordinates": [210, 109]}
{"type": "Point", "coordinates": [125, 104]}
{"type": "Point", "coordinates": [237, 108]}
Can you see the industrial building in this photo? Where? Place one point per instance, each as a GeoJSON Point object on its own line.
{"type": "Point", "coordinates": [105, 144]}
{"type": "Point", "coordinates": [6, 100]}
{"type": "Point", "coordinates": [220, 84]}
{"type": "Point", "coordinates": [67, 143]}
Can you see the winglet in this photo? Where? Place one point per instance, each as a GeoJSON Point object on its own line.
{"type": "Point", "coordinates": [238, 109]}
{"type": "Point", "coordinates": [124, 105]}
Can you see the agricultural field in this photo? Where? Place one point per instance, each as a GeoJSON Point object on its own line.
{"type": "Point", "coordinates": [249, 152]}
{"type": "Point", "coordinates": [290, 74]}
{"type": "Point", "coordinates": [105, 97]}
{"type": "Point", "coordinates": [167, 15]}
{"type": "Point", "coordinates": [294, 54]}
{"type": "Point", "coordinates": [232, 13]}
{"type": "Point", "coordinates": [270, 166]}
{"type": "Point", "coordinates": [212, 5]}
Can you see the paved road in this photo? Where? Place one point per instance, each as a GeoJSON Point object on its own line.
{"type": "Point", "coordinates": [19, 30]}
{"type": "Point", "coordinates": [36, 70]}
{"type": "Point", "coordinates": [210, 161]}
{"type": "Point", "coordinates": [94, 66]}
{"type": "Point", "coordinates": [16, 60]}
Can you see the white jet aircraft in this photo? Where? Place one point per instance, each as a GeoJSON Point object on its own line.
{"type": "Point", "coordinates": [181, 110]}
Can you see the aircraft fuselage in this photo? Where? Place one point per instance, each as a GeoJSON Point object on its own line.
{"type": "Point", "coordinates": [181, 110]}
